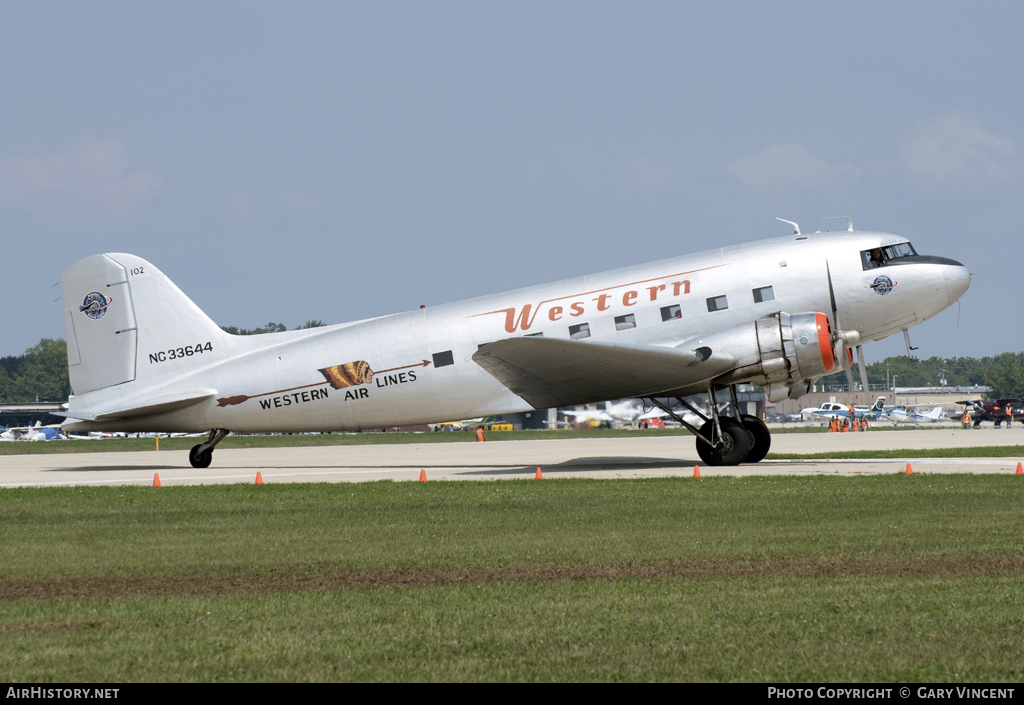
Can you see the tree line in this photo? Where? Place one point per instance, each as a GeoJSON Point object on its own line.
{"type": "Point", "coordinates": [42, 372]}
{"type": "Point", "coordinates": [1003, 373]}
{"type": "Point", "coordinates": [271, 328]}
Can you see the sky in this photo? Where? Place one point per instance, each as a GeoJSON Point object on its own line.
{"type": "Point", "coordinates": [335, 161]}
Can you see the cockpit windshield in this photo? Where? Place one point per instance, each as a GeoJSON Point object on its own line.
{"type": "Point", "coordinates": [883, 256]}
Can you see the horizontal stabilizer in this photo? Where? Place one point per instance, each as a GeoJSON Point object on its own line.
{"type": "Point", "coordinates": [151, 405]}
{"type": "Point", "coordinates": [547, 372]}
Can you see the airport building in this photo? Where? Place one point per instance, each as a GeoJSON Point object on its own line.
{"type": "Point", "coordinates": [28, 413]}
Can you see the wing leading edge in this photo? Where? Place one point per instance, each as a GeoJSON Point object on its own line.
{"type": "Point", "coordinates": [550, 372]}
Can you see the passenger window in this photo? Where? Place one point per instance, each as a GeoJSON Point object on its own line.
{"type": "Point", "coordinates": [717, 303]}
{"type": "Point", "coordinates": [763, 294]}
{"type": "Point", "coordinates": [534, 335]}
{"type": "Point", "coordinates": [625, 322]}
{"type": "Point", "coordinates": [443, 359]}
{"type": "Point", "coordinates": [669, 313]}
{"type": "Point", "coordinates": [579, 331]}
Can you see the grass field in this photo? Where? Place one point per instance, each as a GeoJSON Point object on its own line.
{"type": "Point", "coordinates": [886, 578]}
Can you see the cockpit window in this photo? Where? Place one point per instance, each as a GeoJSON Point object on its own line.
{"type": "Point", "coordinates": [882, 256]}
{"type": "Point", "coordinates": [904, 249]}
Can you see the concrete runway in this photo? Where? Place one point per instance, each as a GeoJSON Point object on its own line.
{"type": "Point", "coordinates": [493, 460]}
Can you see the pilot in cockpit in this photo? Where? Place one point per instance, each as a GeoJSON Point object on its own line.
{"type": "Point", "coordinates": [876, 260]}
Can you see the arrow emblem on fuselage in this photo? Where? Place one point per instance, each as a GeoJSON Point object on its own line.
{"type": "Point", "coordinates": [349, 374]}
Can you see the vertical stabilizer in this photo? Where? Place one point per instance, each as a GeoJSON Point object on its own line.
{"type": "Point", "coordinates": [100, 319]}
{"type": "Point", "coordinates": [126, 321]}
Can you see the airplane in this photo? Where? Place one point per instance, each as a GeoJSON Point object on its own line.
{"type": "Point", "coordinates": [30, 433]}
{"type": "Point", "coordinates": [628, 411]}
{"type": "Point", "coordinates": [780, 313]}
{"type": "Point", "coordinates": [589, 416]}
{"type": "Point", "coordinates": [996, 410]}
{"type": "Point", "coordinates": [828, 410]}
{"type": "Point", "coordinates": [903, 414]}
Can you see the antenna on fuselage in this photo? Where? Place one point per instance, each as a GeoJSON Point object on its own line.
{"type": "Point", "coordinates": [849, 221]}
{"type": "Point", "coordinates": [796, 228]}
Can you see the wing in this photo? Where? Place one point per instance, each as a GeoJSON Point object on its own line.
{"type": "Point", "coordinates": [549, 372]}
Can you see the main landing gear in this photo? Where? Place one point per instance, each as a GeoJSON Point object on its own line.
{"type": "Point", "coordinates": [725, 440]}
{"type": "Point", "coordinates": [202, 455]}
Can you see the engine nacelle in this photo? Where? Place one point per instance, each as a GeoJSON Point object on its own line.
{"type": "Point", "coordinates": [782, 353]}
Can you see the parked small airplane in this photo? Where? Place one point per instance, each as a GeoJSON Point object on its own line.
{"type": "Point", "coordinates": [780, 313]}
{"type": "Point", "coordinates": [832, 409]}
{"type": "Point", "coordinates": [628, 411]}
{"type": "Point", "coordinates": [30, 433]}
{"type": "Point", "coordinates": [591, 415]}
{"type": "Point", "coordinates": [905, 414]}
{"type": "Point", "coordinates": [995, 410]}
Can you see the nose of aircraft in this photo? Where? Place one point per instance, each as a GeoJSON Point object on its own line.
{"type": "Point", "coordinates": [957, 280]}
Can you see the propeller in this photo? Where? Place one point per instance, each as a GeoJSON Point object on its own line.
{"type": "Point", "coordinates": [863, 374]}
{"type": "Point", "coordinates": [843, 340]}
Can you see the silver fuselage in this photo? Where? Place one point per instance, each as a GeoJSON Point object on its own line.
{"type": "Point", "coordinates": [280, 374]}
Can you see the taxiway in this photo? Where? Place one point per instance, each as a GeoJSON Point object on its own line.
{"type": "Point", "coordinates": [495, 459]}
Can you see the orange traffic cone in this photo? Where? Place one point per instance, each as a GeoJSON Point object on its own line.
{"type": "Point", "coordinates": [696, 471]}
{"type": "Point", "coordinates": [156, 479]}
{"type": "Point", "coordinates": [423, 475]}
{"type": "Point", "coordinates": [909, 471]}
{"type": "Point", "coordinates": [1020, 470]}
{"type": "Point", "coordinates": [259, 478]}
{"type": "Point", "coordinates": [538, 476]}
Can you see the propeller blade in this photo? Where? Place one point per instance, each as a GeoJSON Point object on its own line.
{"type": "Point", "coordinates": [863, 374]}
{"type": "Point", "coordinates": [849, 376]}
{"type": "Point", "coordinates": [844, 358]}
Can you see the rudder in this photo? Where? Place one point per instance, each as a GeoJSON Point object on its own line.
{"type": "Point", "coordinates": [126, 321]}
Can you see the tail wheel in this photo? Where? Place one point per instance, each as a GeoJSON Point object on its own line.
{"type": "Point", "coordinates": [200, 460]}
{"type": "Point", "coordinates": [762, 438]}
{"type": "Point", "coordinates": [732, 448]}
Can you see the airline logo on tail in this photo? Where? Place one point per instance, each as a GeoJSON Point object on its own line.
{"type": "Point", "coordinates": [94, 305]}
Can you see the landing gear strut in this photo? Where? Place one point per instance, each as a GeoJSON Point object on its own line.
{"type": "Point", "coordinates": [202, 455]}
{"type": "Point", "coordinates": [724, 440]}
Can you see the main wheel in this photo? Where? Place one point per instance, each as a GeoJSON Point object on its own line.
{"type": "Point", "coordinates": [762, 438]}
{"type": "Point", "coordinates": [200, 460]}
{"type": "Point", "coordinates": [733, 448]}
